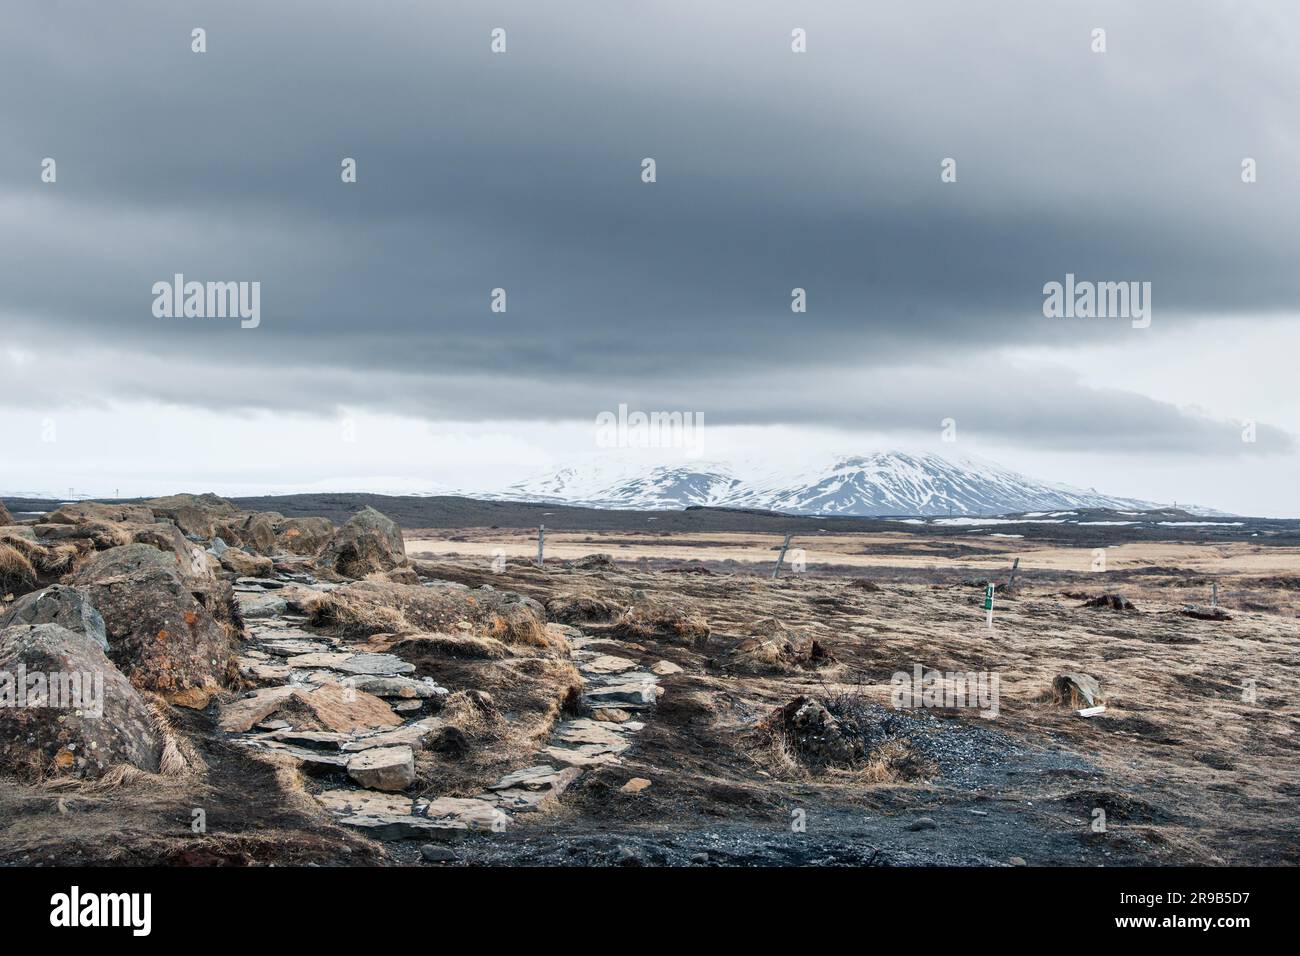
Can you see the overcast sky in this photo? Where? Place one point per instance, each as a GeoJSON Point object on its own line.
{"type": "Point", "coordinates": [523, 171]}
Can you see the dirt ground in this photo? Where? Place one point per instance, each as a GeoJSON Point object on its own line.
{"type": "Point", "coordinates": [1196, 759]}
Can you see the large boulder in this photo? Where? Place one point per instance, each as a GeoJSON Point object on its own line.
{"type": "Point", "coordinates": [91, 512]}
{"type": "Point", "coordinates": [196, 515]}
{"type": "Point", "coordinates": [66, 710]}
{"type": "Point", "coordinates": [240, 562]}
{"type": "Point", "coordinates": [58, 604]}
{"type": "Point", "coordinates": [192, 564]}
{"type": "Point", "coordinates": [368, 542]}
{"type": "Point", "coordinates": [253, 532]}
{"type": "Point", "coordinates": [123, 560]}
{"type": "Point", "coordinates": [304, 535]}
{"type": "Point", "coordinates": [87, 535]}
{"type": "Point", "coordinates": [159, 633]}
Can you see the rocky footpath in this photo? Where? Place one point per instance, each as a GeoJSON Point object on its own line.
{"type": "Point", "coordinates": [357, 719]}
{"type": "Point", "coordinates": [316, 649]}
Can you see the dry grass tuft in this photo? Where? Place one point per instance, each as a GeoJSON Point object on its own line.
{"type": "Point", "coordinates": [16, 571]}
{"type": "Point", "coordinates": [356, 618]}
{"type": "Point", "coordinates": [465, 646]}
{"type": "Point", "coordinates": [474, 714]}
{"type": "Point", "coordinates": [574, 608]}
{"type": "Point", "coordinates": [659, 619]}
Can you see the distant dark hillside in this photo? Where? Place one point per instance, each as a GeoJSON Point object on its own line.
{"type": "Point", "coordinates": [454, 512]}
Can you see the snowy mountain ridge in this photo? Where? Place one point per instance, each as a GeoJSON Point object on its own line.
{"type": "Point", "coordinates": [880, 483]}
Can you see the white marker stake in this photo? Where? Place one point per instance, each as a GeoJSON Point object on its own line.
{"type": "Point", "coordinates": [988, 603]}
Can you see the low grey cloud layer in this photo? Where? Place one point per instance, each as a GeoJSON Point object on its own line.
{"type": "Point", "coordinates": [522, 171]}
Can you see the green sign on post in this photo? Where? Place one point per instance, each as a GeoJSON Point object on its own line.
{"type": "Point", "coordinates": [988, 597]}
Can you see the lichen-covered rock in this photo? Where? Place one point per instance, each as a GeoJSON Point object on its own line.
{"type": "Point", "coordinates": [196, 515]}
{"type": "Point", "coordinates": [58, 604]}
{"type": "Point", "coordinates": [303, 535]}
{"type": "Point", "coordinates": [256, 532]}
{"type": "Point", "coordinates": [369, 541]}
{"type": "Point", "coordinates": [90, 512]}
{"type": "Point", "coordinates": [72, 713]}
{"type": "Point", "coordinates": [161, 636]}
{"type": "Point", "coordinates": [239, 561]}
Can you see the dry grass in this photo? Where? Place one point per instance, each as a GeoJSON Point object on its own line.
{"type": "Point", "coordinates": [16, 571]}
{"type": "Point", "coordinates": [474, 714]}
{"type": "Point", "coordinates": [356, 618]}
{"type": "Point", "coordinates": [662, 619]}
{"type": "Point", "coordinates": [374, 607]}
{"type": "Point", "coordinates": [465, 646]}
{"type": "Point", "coordinates": [894, 761]}
{"type": "Point", "coordinates": [582, 608]}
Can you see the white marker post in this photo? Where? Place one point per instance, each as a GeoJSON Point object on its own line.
{"type": "Point", "coordinates": [988, 602]}
{"type": "Point", "coordinates": [541, 545]}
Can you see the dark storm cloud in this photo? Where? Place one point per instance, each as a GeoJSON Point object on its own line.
{"type": "Point", "coordinates": [522, 171]}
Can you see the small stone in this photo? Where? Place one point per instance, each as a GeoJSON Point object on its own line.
{"type": "Point", "coordinates": [635, 785]}
{"type": "Point", "coordinates": [611, 715]}
{"type": "Point", "coordinates": [629, 856]}
{"type": "Point", "coordinates": [435, 853]}
{"type": "Point", "coordinates": [664, 668]}
{"type": "Point", "coordinates": [699, 858]}
{"type": "Point", "coordinates": [1018, 861]}
{"type": "Point", "coordinates": [922, 823]}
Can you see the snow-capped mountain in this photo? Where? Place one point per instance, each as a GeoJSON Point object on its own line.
{"type": "Point", "coordinates": [884, 483]}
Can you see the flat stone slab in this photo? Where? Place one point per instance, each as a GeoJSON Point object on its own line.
{"type": "Point", "coordinates": [634, 694]}
{"type": "Point", "coordinates": [341, 709]}
{"type": "Point", "coordinates": [383, 768]}
{"type": "Point", "coordinates": [405, 688]}
{"type": "Point", "coordinates": [397, 827]}
{"type": "Point", "coordinates": [607, 664]}
{"type": "Point", "coordinates": [386, 665]}
{"type": "Point", "coordinates": [591, 732]}
{"type": "Point", "coordinates": [262, 604]}
{"type": "Point", "coordinates": [348, 710]}
{"type": "Point", "coordinates": [543, 777]}
{"type": "Point", "coordinates": [314, 739]}
{"type": "Point", "coordinates": [270, 584]}
{"type": "Point", "coordinates": [588, 755]}
{"type": "Point", "coordinates": [258, 670]}
{"type": "Point", "coordinates": [310, 759]}
{"type": "Point", "coordinates": [369, 802]}
{"type": "Point", "coordinates": [240, 715]}
{"type": "Point", "coordinates": [664, 668]}
{"type": "Point", "coordinates": [522, 801]}
{"type": "Point", "coordinates": [291, 647]}
{"type": "Point", "coordinates": [414, 735]}
{"type": "Point", "coordinates": [477, 815]}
